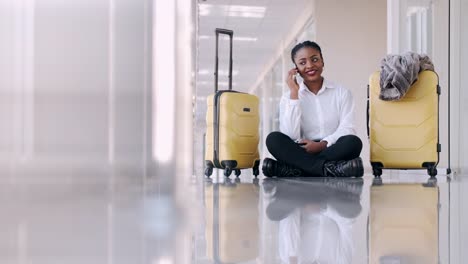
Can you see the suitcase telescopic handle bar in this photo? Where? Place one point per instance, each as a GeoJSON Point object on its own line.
{"type": "Point", "coordinates": [230, 34]}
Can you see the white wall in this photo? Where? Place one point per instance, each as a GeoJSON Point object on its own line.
{"type": "Point", "coordinates": [353, 39]}
{"type": "Point", "coordinates": [7, 77]}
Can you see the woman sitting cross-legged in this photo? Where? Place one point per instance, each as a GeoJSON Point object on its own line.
{"type": "Point", "coordinates": [317, 135]}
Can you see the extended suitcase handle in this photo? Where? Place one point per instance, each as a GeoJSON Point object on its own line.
{"type": "Point", "coordinates": [367, 113]}
{"type": "Point", "coordinates": [230, 33]}
{"type": "Point", "coordinates": [224, 31]}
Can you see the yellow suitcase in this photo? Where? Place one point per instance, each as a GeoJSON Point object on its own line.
{"type": "Point", "coordinates": [404, 224]}
{"type": "Point", "coordinates": [404, 134]}
{"type": "Point", "coordinates": [232, 132]}
{"type": "Point", "coordinates": [231, 213]}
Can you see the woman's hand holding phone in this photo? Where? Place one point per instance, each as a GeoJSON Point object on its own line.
{"type": "Point", "coordinates": [292, 83]}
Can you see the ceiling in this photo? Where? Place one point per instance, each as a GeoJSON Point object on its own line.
{"type": "Point", "coordinates": [259, 27]}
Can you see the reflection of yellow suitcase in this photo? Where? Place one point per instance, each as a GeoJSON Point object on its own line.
{"type": "Point", "coordinates": [403, 224]}
{"type": "Point", "coordinates": [232, 121]}
{"type": "Point", "coordinates": [232, 232]}
{"type": "Point", "coordinates": [404, 134]}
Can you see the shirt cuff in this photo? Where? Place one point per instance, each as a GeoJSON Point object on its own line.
{"type": "Point", "coordinates": [329, 141]}
{"type": "Point", "coordinates": [293, 102]}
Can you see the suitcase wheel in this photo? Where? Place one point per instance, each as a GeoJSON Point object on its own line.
{"type": "Point", "coordinates": [208, 171]}
{"type": "Point", "coordinates": [208, 168]}
{"type": "Point", "coordinates": [377, 169]}
{"type": "Point", "coordinates": [432, 171]}
{"type": "Point", "coordinates": [377, 172]}
{"type": "Point", "coordinates": [227, 172]}
{"type": "Point", "coordinates": [431, 168]}
{"type": "Point", "coordinates": [228, 165]}
{"type": "Point", "coordinates": [237, 172]}
{"type": "Point", "coordinates": [255, 169]}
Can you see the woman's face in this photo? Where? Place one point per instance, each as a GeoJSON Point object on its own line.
{"type": "Point", "coordinates": [309, 64]}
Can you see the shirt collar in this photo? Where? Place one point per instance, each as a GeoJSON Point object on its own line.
{"type": "Point", "coordinates": [325, 85]}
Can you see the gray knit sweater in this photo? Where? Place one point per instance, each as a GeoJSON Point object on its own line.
{"type": "Point", "coordinates": [399, 72]}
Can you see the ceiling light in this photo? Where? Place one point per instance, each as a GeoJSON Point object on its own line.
{"type": "Point", "coordinates": [219, 83]}
{"type": "Point", "coordinates": [226, 84]}
{"type": "Point", "coordinates": [246, 11]}
{"type": "Point", "coordinates": [203, 72]}
{"type": "Point", "coordinates": [251, 39]}
{"type": "Point", "coordinates": [201, 98]}
{"type": "Point", "coordinates": [233, 10]}
{"type": "Point", "coordinates": [245, 39]}
{"type": "Point", "coordinates": [204, 9]}
{"type": "Point", "coordinates": [221, 73]}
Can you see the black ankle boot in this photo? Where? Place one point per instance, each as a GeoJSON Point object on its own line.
{"type": "Point", "coordinates": [272, 168]}
{"type": "Point", "coordinates": [345, 168]}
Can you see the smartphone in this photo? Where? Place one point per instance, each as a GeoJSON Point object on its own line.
{"type": "Point", "coordinates": [301, 143]}
{"type": "Point", "coordinates": [297, 74]}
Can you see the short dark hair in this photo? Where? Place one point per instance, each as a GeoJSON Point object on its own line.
{"type": "Point", "coordinates": [307, 43]}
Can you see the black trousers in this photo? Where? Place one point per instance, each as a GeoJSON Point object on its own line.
{"type": "Point", "coordinates": [284, 149]}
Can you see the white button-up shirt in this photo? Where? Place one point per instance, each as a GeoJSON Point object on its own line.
{"type": "Point", "coordinates": [327, 115]}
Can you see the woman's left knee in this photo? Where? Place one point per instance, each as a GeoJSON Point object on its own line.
{"type": "Point", "coordinates": [353, 141]}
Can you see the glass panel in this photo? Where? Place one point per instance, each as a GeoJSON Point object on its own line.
{"type": "Point", "coordinates": [419, 27]}
{"type": "Point", "coordinates": [308, 32]}
{"type": "Point", "coordinates": [73, 79]}
{"type": "Point", "coordinates": [277, 90]}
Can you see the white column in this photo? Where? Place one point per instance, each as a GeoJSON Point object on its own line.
{"type": "Point", "coordinates": [111, 88]}
{"type": "Point", "coordinates": [184, 125]}
{"type": "Point", "coordinates": [463, 84]}
{"type": "Point", "coordinates": [23, 115]}
{"type": "Point", "coordinates": [455, 77]}
{"type": "Point", "coordinates": [164, 85]}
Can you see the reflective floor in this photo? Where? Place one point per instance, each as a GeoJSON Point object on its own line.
{"type": "Point", "coordinates": [125, 216]}
{"type": "Point", "coordinates": [400, 219]}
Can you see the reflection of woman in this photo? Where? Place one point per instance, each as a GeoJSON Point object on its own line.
{"type": "Point", "coordinates": [315, 219]}
{"type": "Point", "coordinates": [318, 114]}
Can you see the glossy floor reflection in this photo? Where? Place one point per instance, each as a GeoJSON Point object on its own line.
{"type": "Point", "coordinates": [92, 216]}
{"type": "Point", "coordinates": [401, 219]}
{"type": "Point", "coordinates": [108, 216]}
{"type": "Point", "coordinates": [314, 218]}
